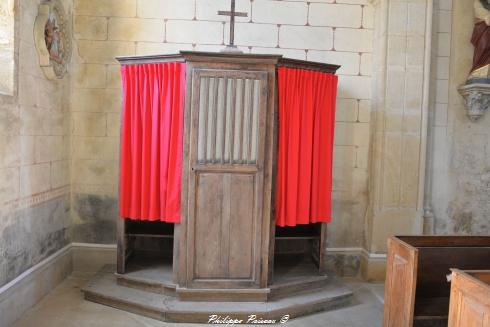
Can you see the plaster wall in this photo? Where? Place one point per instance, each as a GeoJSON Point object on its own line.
{"type": "Point", "coordinates": [461, 165]}
{"type": "Point", "coordinates": [7, 51]}
{"type": "Point", "coordinates": [34, 156]}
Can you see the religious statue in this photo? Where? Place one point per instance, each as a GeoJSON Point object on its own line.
{"type": "Point", "coordinates": [53, 38]}
{"type": "Point", "coordinates": [476, 90]}
{"type": "Point", "coordinates": [481, 40]}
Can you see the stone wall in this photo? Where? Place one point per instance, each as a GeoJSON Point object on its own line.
{"type": "Point", "coordinates": [34, 160]}
{"type": "Point", "coordinates": [7, 52]}
{"type": "Point", "coordinates": [403, 45]}
{"type": "Point", "coordinates": [338, 32]}
{"type": "Point", "coordinates": [400, 97]}
{"type": "Point", "coordinates": [461, 159]}
{"type": "Point", "coordinates": [59, 139]}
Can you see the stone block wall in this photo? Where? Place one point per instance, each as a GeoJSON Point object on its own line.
{"type": "Point", "coordinates": [59, 140]}
{"type": "Point", "coordinates": [443, 11]}
{"type": "Point", "coordinates": [400, 106]}
{"type": "Point", "coordinates": [34, 160]}
{"type": "Point", "coordinates": [339, 32]}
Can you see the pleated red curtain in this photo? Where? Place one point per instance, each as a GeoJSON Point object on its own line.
{"type": "Point", "coordinates": [306, 132]}
{"type": "Point", "coordinates": [151, 141]}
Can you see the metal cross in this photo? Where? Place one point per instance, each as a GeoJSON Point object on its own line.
{"type": "Point", "coordinates": [232, 13]}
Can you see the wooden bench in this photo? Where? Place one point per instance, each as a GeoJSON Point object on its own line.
{"type": "Point", "coordinates": [470, 298]}
{"type": "Point", "coordinates": [416, 288]}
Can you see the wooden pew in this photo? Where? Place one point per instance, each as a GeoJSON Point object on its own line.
{"type": "Point", "coordinates": [416, 287]}
{"type": "Point", "coordinates": [470, 298]}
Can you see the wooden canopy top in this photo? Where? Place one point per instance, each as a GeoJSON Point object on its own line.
{"type": "Point", "coordinates": [184, 56]}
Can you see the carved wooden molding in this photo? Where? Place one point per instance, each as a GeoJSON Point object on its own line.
{"type": "Point", "coordinates": [52, 37]}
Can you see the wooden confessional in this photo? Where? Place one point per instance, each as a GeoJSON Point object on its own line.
{"type": "Point", "coordinates": [227, 251]}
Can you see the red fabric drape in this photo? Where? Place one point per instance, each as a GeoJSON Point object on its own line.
{"type": "Point", "coordinates": [481, 40]}
{"type": "Point", "coordinates": [151, 141]}
{"type": "Point", "coordinates": [306, 132]}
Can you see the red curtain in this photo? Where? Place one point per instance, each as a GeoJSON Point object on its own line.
{"type": "Point", "coordinates": [306, 132]}
{"type": "Point", "coordinates": [151, 141]}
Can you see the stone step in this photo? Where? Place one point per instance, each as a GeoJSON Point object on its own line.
{"type": "Point", "coordinates": [276, 291]}
{"type": "Point", "coordinates": [145, 284]}
{"type": "Point", "coordinates": [286, 289]}
{"type": "Point", "coordinates": [104, 289]}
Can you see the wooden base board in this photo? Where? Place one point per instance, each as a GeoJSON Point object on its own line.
{"type": "Point", "coordinates": [104, 289]}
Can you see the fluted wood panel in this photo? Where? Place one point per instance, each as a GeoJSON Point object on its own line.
{"type": "Point", "coordinates": [228, 120]}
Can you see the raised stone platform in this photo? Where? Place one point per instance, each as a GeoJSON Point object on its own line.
{"type": "Point", "coordinates": [290, 296]}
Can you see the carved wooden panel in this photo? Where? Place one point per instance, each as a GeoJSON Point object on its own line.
{"type": "Point", "coordinates": [417, 291]}
{"type": "Point", "coordinates": [401, 276]}
{"type": "Point", "coordinates": [226, 159]}
{"type": "Point", "coordinates": [470, 299]}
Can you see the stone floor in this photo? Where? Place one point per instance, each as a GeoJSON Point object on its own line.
{"type": "Point", "coordinates": [65, 307]}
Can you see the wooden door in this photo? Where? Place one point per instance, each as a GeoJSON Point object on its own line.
{"type": "Point", "coordinates": [470, 299]}
{"type": "Point", "coordinates": [401, 279]}
{"type": "Point", "coordinates": [226, 176]}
